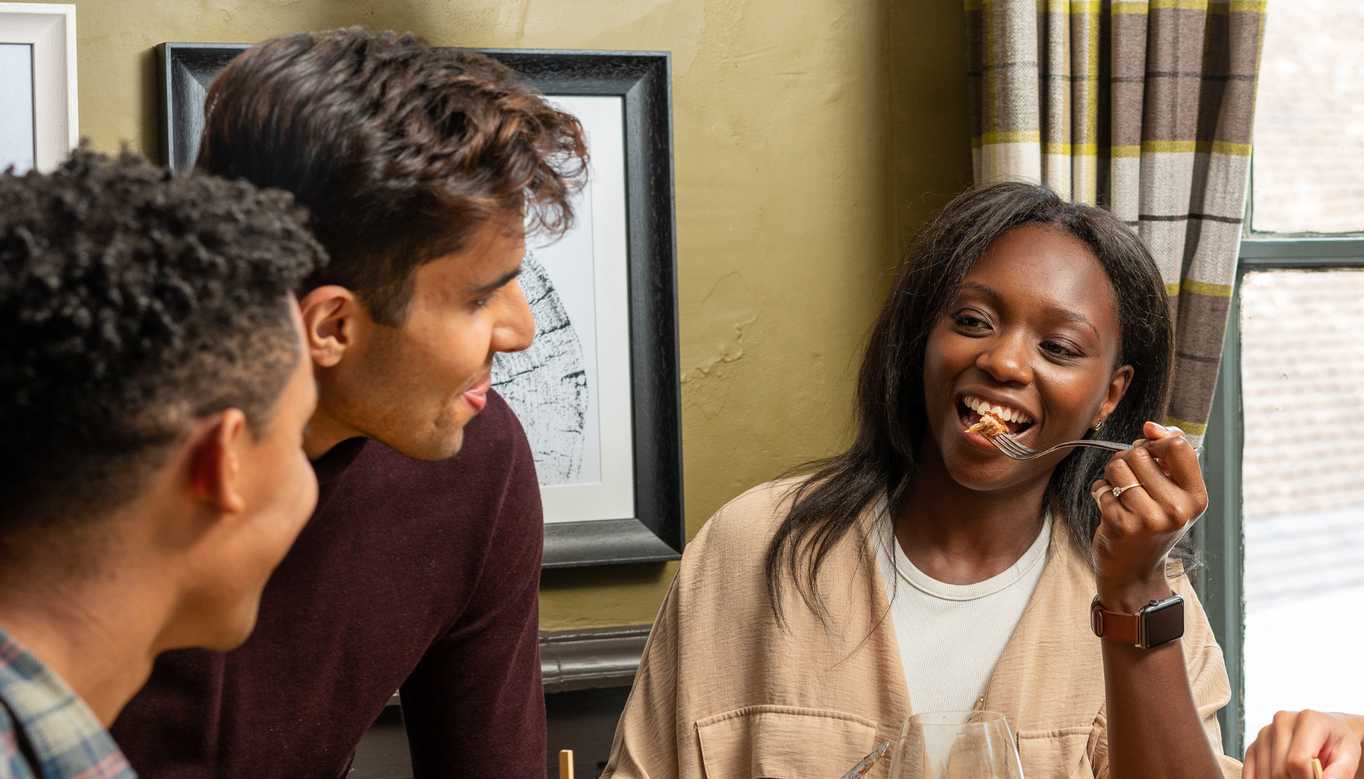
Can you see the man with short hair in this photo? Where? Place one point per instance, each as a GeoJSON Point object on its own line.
{"type": "Point", "coordinates": [155, 389]}
{"type": "Point", "coordinates": [421, 168]}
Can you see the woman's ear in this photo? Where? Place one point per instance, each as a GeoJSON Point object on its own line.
{"type": "Point", "coordinates": [1117, 387]}
{"type": "Point", "coordinates": [329, 321]}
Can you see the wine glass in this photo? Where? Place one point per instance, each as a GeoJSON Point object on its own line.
{"type": "Point", "coordinates": [957, 745]}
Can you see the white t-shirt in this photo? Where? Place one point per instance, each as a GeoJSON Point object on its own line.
{"type": "Point", "coordinates": [951, 635]}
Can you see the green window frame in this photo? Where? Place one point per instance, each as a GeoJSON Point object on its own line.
{"type": "Point", "coordinates": [1219, 533]}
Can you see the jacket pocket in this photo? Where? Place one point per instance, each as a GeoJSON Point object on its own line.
{"type": "Point", "coordinates": [1062, 753]}
{"type": "Point", "coordinates": [783, 742]}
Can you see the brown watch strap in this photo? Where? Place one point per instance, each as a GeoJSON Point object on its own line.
{"type": "Point", "coordinates": [1113, 625]}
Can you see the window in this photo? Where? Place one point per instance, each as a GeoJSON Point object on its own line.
{"type": "Point", "coordinates": [1309, 120]}
{"type": "Point", "coordinates": [1284, 540]}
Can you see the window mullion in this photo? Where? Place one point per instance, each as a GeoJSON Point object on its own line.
{"type": "Point", "coordinates": [1219, 532]}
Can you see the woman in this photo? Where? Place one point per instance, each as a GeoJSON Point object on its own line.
{"type": "Point", "coordinates": [922, 570]}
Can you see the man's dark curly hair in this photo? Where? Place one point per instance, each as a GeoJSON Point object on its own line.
{"type": "Point", "coordinates": [400, 151]}
{"type": "Point", "coordinates": [134, 302]}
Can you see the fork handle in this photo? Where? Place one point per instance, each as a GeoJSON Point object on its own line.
{"type": "Point", "coordinates": [1112, 446]}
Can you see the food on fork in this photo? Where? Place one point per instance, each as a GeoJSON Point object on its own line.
{"type": "Point", "coordinates": [992, 417]}
{"type": "Point", "coordinates": [988, 426]}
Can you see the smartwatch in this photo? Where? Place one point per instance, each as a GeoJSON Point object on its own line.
{"type": "Point", "coordinates": [1158, 622]}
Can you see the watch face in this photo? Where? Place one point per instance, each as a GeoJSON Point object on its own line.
{"type": "Point", "coordinates": [1164, 621]}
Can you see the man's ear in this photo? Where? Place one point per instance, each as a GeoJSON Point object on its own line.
{"type": "Point", "coordinates": [1117, 387]}
{"type": "Point", "coordinates": [330, 315]}
{"type": "Point", "coordinates": [215, 461]}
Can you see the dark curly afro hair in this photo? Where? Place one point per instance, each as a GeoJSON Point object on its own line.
{"type": "Point", "coordinates": [132, 303]}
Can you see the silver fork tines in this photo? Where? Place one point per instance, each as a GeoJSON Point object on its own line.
{"type": "Point", "coordinates": [1010, 447]}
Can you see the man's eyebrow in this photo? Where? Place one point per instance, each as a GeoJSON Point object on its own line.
{"type": "Point", "coordinates": [497, 283]}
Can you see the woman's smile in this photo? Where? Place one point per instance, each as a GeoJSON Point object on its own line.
{"type": "Point", "coordinates": [973, 406]}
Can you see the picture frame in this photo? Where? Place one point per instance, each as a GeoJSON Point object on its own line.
{"type": "Point", "coordinates": [622, 502]}
{"type": "Point", "coordinates": [39, 117]}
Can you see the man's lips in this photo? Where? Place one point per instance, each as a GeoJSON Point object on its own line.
{"type": "Point", "coordinates": [477, 395]}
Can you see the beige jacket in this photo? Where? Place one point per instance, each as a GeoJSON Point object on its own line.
{"type": "Point", "coordinates": [723, 692]}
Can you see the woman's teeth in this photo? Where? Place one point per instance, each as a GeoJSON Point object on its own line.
{"type": "Point", "coordinates": [1004, 413]}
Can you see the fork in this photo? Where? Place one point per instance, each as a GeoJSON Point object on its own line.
{"type": "Point", "coordinates": [1010, 447]}
{"type": "Point", "coordinates": [864, 765]}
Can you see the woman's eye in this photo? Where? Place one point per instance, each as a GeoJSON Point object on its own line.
{"type": "Point", "coordinates": [1061, 349]}
{"type": "Point", "coordinates": [969, 321]}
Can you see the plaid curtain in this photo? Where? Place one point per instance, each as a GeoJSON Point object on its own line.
{"type": "Point", "coordinates": [1144, 108]}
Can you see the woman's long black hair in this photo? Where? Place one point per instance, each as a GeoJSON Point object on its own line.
{"type": "Point", "coordinates": [833, 494]}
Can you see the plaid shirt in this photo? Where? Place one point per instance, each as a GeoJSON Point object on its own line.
{"type": "Point", "coordinates": [46, 730]}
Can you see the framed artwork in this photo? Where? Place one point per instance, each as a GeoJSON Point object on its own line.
{"type": "Point", "coordinates": [38, 116]}
{"type": "Point", "coordinates": [598, 390]}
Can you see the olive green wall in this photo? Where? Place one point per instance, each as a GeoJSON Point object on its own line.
{"type": "Point", "coordinates": [811, 138]}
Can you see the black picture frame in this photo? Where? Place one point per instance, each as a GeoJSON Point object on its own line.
{"type": "Point", "coordinates": [643, 82]}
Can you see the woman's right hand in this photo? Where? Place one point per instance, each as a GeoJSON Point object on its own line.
{"type": "Point", "coordinates": [1285, 747]}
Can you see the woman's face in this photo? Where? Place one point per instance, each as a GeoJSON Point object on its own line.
{"type": "Point", "coordinates": [1033, 331]}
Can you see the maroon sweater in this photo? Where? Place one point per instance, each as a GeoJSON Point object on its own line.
{"type": "Point", "coordinates": [419, 575]}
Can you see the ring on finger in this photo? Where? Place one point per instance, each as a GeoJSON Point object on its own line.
{"type": "Point", "coordinates": [1118, 491]}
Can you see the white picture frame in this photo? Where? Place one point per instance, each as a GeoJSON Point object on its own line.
{"type": "Point", "coordinates": [587, 469]}
{"type": "Point", "coordinates": [47, 103]}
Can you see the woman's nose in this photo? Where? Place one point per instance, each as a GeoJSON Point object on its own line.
{"type": "Point", "coordinates": [1007, 361]}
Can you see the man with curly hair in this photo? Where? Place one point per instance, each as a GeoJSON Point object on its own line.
{"type": "Point", "coordinates": [423, 170]}
{"type": "Point", "coordinates": [156, 387]}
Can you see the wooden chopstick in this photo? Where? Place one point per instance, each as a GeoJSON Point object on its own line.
{"type": "Point", "coordinates": [1316, 768]}
{"type": "Point", "coordinates": [565, 764]}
